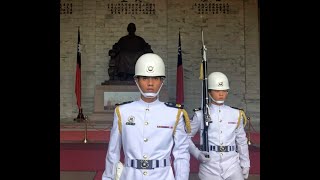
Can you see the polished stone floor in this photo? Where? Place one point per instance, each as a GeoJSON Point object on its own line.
{"type": "Point", "coordinates": [89, 175]}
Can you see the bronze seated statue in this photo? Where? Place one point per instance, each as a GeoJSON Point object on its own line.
{"type": "Point", "coordinates": [125, 53]}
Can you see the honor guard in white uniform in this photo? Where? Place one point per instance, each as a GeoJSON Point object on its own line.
{"type": "Point", "coordinates": [149, 131]}
{"type": "Point", "coordinates": [227, 141]}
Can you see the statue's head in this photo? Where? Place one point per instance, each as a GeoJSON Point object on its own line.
{"type": "Point", "coordinates": [131, 28]}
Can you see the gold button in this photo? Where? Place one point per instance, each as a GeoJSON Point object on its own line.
{"type": "Point", "coordinates": [220, 120]}
{"type": "Point", "coordinates": [219, 110]}
{"type": "Point", "coordinates": [145, 156]}
{"type": "Point", "coordinates": [221, 154]}
{"type": "Point", "coordinates": [145, 139]}
{"type": "Point", "coordinates": [145, 173]}
{"type": "Point", "coordinates": [147, 109]}
{"type": "Point", "coordinates": [146, 123]}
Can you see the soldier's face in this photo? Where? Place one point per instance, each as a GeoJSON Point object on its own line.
{"type": "Point", "coordinates": [150, 84]}
{"type": "Point", "coordinates": [219, 95]}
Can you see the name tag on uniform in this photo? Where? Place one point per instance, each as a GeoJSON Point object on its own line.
{"type": "Point", "coordinates": [170, 127]}
{"type": "Point", "coordinates": [232, 122]}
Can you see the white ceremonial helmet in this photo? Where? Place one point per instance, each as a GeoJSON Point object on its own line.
{"type": "Point", "coordinates": [218, 81]}
{"type": "Point", "coordinates": [150, 64]}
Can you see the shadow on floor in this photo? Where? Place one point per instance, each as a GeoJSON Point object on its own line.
{"type": "Point", "coordinates": [77, 175]}
{"type": "Point", "coordinates": [194, 176]}
{"type": "Point", "coordinates": [89, 175]}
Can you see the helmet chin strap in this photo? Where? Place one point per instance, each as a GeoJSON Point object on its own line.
{"type": "Point", "coordinates": [149, 95]}
{"type": "Point", "coordinates": [219, 102]}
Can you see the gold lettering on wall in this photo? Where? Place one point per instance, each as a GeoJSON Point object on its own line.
{"type": "Point", "coordinates": [131, 8]}
{"type": "Point", "coordinates": [65, 8]}
{"type": "Point", "coordinates": [211, 7]}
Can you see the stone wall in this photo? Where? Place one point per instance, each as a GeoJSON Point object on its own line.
{"type": "Point", "coordinates": [231, 35]}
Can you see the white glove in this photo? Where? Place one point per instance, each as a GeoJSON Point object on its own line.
{"type": "Point", "coordinates": [118, 170]}
{"type": "Point", "coordinates": [202, 156]}
{"type": "Point", "coordinates": [245, 172]}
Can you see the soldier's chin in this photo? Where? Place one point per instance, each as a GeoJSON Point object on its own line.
{"type": "Point", "coordinates": [218, 102]}
{"type": "Point", "coordinates": [150, 95]}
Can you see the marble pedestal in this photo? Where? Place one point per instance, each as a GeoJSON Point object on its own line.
{"type": "Point", "coordinates": [106, 96]}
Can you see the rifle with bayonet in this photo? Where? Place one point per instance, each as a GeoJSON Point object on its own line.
{"type": "Point", "coordinates": [205, 99]}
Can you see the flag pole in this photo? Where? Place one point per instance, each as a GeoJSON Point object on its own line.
{"type": "Point", "coordinates": [179, 81]}
{"type": "Point", "coordinates": [85, 139]}
{"type": "Point", "coordinates": [80, 116]}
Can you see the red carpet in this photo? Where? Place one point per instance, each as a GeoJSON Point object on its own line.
{"type": "Point", "coordinates": [78, 156]}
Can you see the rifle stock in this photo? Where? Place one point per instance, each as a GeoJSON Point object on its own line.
{"type": "Point", "coordinates": [205, 99]}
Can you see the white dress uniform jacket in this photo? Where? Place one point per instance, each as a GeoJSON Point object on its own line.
{"type": "Point", "coordinates": [148, 131]}
{"type": "Point", "coordinates": [225, 130]}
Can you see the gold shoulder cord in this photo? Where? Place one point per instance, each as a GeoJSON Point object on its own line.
{"type": "Point", "coordinates": [186, 119]}
{"type": "Point", "coordinates": [119, 119]}
{"type": "Point", "coordinates": [245, 119]}
{"type": "Point", "coordinates": [242, 114]}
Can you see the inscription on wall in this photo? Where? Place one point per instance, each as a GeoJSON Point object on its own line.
{"type": "Point", "coordinates": [132, 7]}
{"type": "Point", "coordinates": [211, 7]}
{"type": "Point", "coordinates": [65, 8]}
